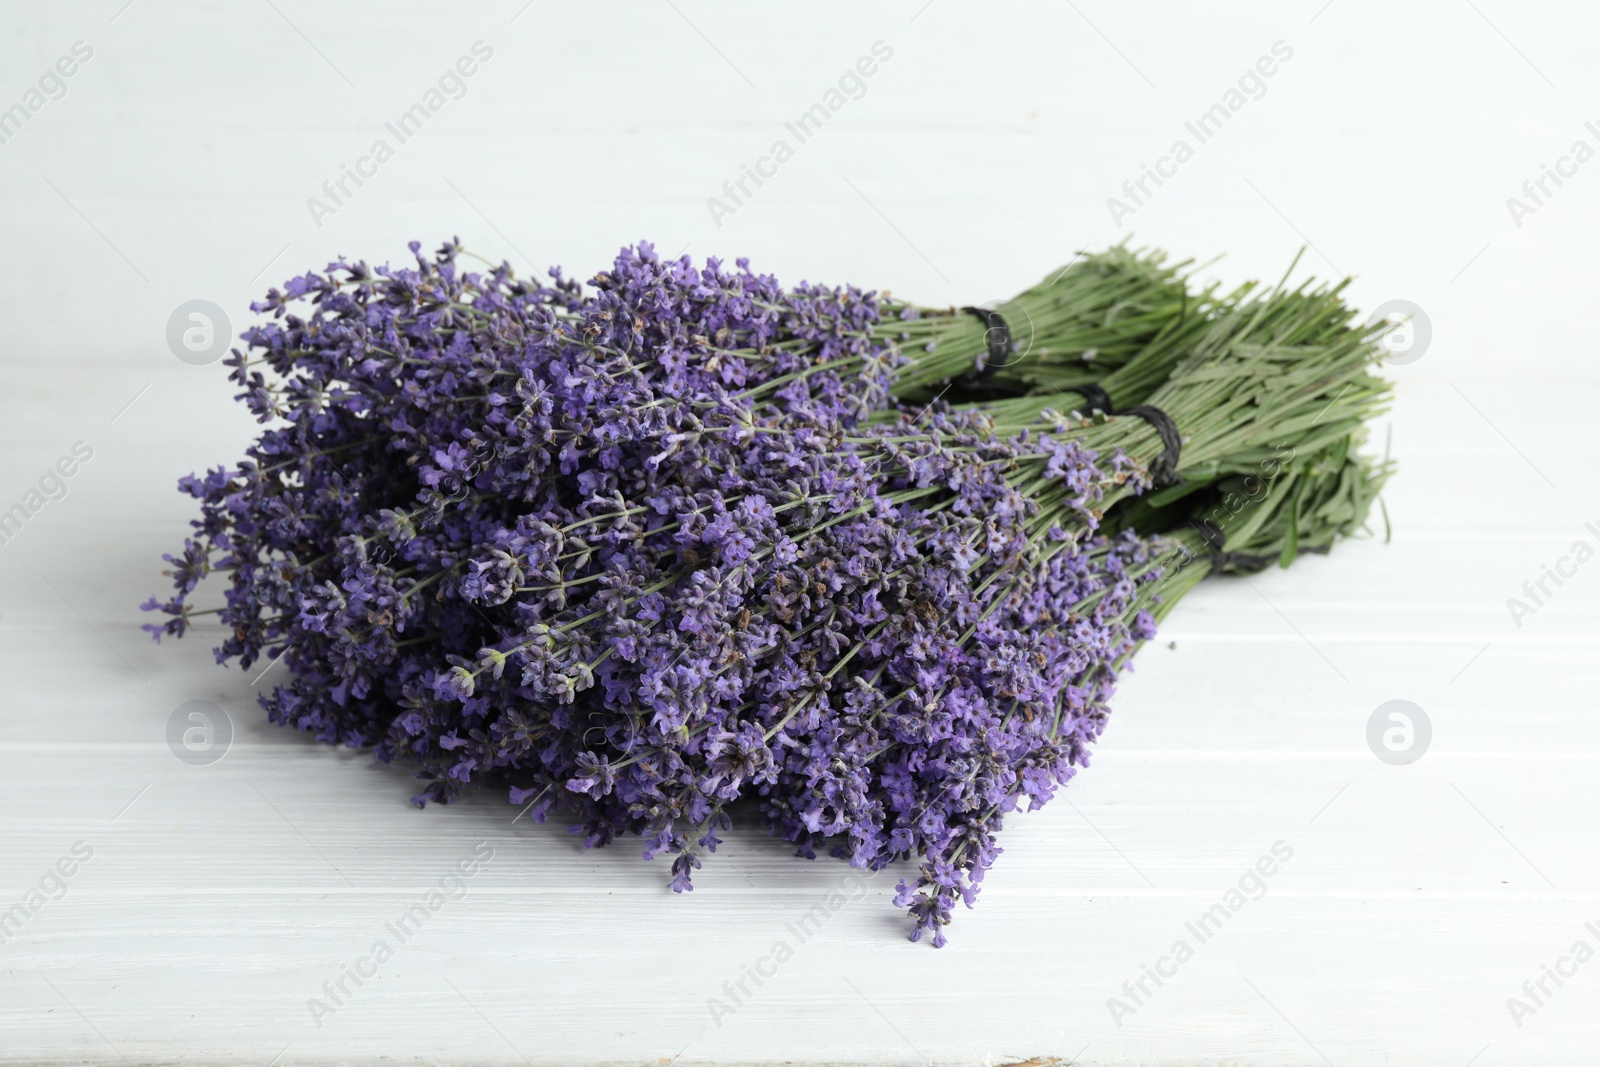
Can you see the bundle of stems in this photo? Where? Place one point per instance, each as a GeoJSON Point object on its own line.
{"type": "Point", "coordinates": [1089, 318]}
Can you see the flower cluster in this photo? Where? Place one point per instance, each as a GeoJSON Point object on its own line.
{"type": "Point", "coordinates": [636, 551]}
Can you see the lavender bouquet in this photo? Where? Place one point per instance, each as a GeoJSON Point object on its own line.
{"type": "Point", "coordinates": [638, 552]}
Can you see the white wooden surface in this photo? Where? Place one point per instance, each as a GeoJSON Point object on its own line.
{"type": "Point", "coordinates": [1418, 899]}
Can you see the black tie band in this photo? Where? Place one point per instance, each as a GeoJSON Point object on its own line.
{"type": "Point", "coordinates": [996, 339]}
{"type": "Point", "coordinates": [1164, 468]}
{"type": "Point", "coordinates": [1094, 397]}
{"type": "Point", "coordinates": [1242, 562]}
{"type": "Point", "coordinates": [1238, 562]}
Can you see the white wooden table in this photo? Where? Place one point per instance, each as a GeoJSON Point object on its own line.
{"type": "Point", "coordinates": [219, 899]}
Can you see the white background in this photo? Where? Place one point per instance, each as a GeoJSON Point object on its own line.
{"type": "Point", "coordinates": [1419, 898]}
